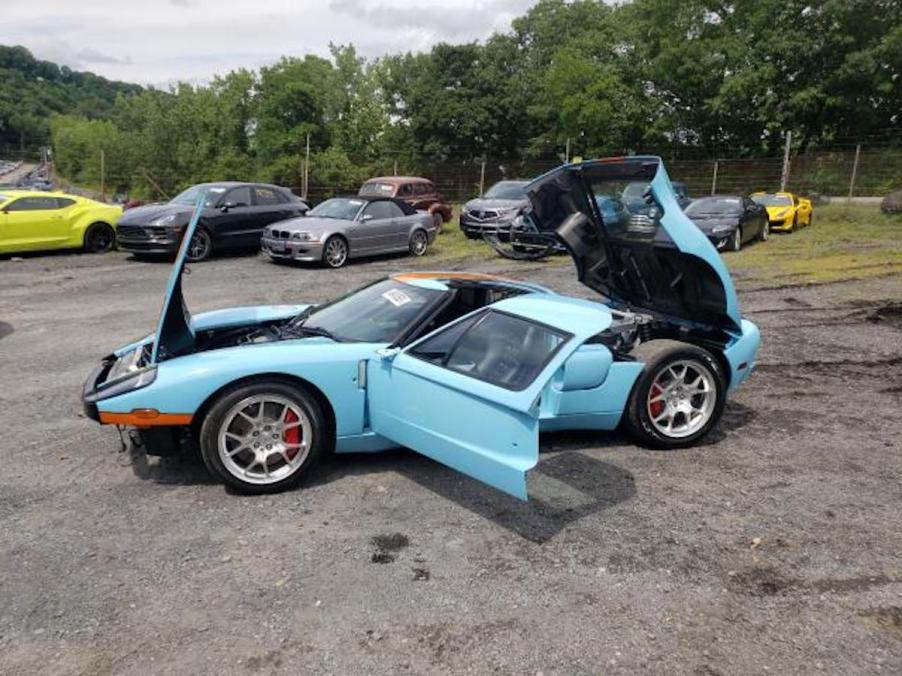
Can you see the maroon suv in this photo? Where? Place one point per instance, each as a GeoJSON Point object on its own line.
{"type": "Point", "coordinates": [420, 193]}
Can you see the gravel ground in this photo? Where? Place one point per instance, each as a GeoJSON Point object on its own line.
{"type": "Point", "coordinates": [774, 547]}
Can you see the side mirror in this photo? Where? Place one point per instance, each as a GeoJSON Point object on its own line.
{"type": "Point", "coordinates": [366, 217]}
{"type": "Point", "coordinates": [224, 208]}
{"type": "Point", "coordinates": [388, 354]}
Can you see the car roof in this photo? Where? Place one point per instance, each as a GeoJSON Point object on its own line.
{"type": "Point", "coordinates": [442, 279]}
{"type": "Point", "coordinates": [397, 180]}
{"type": "Point", "coordinates": [19, 192]}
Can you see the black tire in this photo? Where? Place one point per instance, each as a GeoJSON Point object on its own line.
{"type": "Point", "coordinates": [331, 249]}
{"type": "Point", "coordinates": [99, 238]}
{"type": "Point", "coordinates": [220, 414]}
{"type": "Point", "coordinates": [438, 220]}
{"type": "Point", "coordinates": [765, 231]}
{"type": "Point", "coordinates": [419, 242]}
{"type": "Point", "coordinates": [658, 356]}
{"type": "Point", "coordinates": [795, 223]}
{"type": "Point", "coordinates": [200, 247]}
{"type": "Point", "coordinates": [736, 240]}
{"type": "Point", "coordinates": [810, 220]}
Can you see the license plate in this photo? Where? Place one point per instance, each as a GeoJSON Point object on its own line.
{"type": "Point", "coordinates": [277, 247]}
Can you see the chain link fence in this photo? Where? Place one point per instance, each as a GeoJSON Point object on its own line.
{"type": "Point", "coordinates": [840, 172]}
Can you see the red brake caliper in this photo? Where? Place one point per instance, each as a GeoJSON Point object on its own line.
{"type": "Point", "coordinates": [292, 435]}
{"type": "Point", "coordinates": [656, 408]}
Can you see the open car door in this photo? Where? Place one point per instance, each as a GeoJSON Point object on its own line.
{"type": "Point", "coordinates": [467, 395]}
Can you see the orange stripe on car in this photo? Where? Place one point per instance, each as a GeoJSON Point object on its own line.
{"type": "Point", "coordinates": [145, 417]}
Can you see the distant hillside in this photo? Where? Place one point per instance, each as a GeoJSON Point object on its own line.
{"type": "Point", "coordinates": [32, 90]}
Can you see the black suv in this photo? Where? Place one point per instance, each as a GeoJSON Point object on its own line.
{"type": "Point", "coordinates": [234, 217]}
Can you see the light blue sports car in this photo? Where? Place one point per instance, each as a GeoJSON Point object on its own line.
{"type": "Point", "coordinates": [466, 369]}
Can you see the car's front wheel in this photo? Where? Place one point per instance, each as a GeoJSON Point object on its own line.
{"type": "Point", "coordinates": [765, 231]}
{"type": "Point", "coordinates": [736, 240]}
{"type": "Point", "coordinates": [679, 396]}
{"type": "Point", "coordinates": [263, 437]}
{"type": "Point", "coordinates": [335, 251]}
{"type": "Point", "coordinates": [200, 247]}
{"type": "Point", "coordinates": [99, 238]}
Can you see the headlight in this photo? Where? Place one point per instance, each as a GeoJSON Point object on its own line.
{"type": "Point", "coordinates": [721, 229]}
{"type": "Point", "coordinates": [129, 372]}
{"type": "Point", "coordinates": [305, 236]}
{"type": "Point", "coordinates": [163, 220]}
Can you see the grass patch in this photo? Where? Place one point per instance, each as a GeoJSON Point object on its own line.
{"type": "Point", "coordinates": [853, 242]}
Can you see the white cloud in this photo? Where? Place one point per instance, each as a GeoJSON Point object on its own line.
{"type": "Point", "coordinates": [162, 41]}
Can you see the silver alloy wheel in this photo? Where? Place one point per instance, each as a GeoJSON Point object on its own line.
{"type": "Point", "coordinates": [437, 219]}
{"type": "Point", "coordinates": [200, 245]}
{"type": "Point", "coordinates": [336, 252]}
{"type": "Point", "coordinates": [765, 231]}
{"type": "Point", "coordinates": [736, 244]}
{"type": "Point", "coordinates": [682, 398]}
{"type": "Point", "coordinates": [418, 243]}
{"type": "Point", "coordinates": [264, 439]}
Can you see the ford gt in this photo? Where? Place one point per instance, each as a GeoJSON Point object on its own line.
{"type": "Point", "coordinates": [466, 369]}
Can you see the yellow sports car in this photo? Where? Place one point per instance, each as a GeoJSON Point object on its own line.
{"type": "Point", "coordinates": [785, 211]}
{"type": "Point", "coordinates": [35, 221]}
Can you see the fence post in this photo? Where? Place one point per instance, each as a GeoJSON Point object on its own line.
{"type": "Point", "coordinates": [567, 152]}
{"type": "Point", "coordinates": [482, 176]}
{"type": "Point", "coordinates": [854, 173]}
{"type": "Point", "coordinates": [102, 177]}
{"type": "Point", "coordinates": [307, 167]}
{"type": "Point", "coordinates": [784, 176]}
{"type": "Point", "coordinates": [396, 166]}
{"type": "Point", "coordinates": [714, 179]}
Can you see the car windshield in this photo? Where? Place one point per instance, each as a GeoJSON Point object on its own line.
{"type": "Point", "coordinates": [714, 206]}
{"type": "Point", "coordinates": [376, 188]}
{"type": "Point", "coordinates": [378, 313]}
{"type": "Point", "coordinates": [772, 200]}
{"type": "Point", "coordinates": [344, 208]}
{"type": "Point", "coordinates": [191, 195]}
{"type": "Point", "coordinates": [507, 190]}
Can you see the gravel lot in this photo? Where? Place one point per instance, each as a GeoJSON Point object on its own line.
{"type": "Point", "coordinates": [775, 547]}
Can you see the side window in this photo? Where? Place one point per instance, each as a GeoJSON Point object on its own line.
{"type": "Point", "coordinates": [500, 349]}
{"type": "Point", "coordinates": [405, 190]}
{"type": "Point", "coordinates": [64, 202]}
{"type": "Point", "coordinates": [240, 197]}
{"type": "Point", "coordinates": [33, 204]}
{"type": "Point", "coordinates": [267, 197]}
{"type": "Point", "coordinates": [383, 209]}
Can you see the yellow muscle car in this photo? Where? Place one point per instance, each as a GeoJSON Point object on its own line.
{"type": "Point", "coordinates": [37, 221]}
{"type": "Point", "coordinates": [785, 211]}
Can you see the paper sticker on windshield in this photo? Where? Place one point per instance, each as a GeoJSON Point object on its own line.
{"type": "Point", "coordinates": [396, 297]}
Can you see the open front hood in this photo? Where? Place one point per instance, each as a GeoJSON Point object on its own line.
{"type": "Point", "coordinates": [175, 335]}
{"type": "Point", "coordinates": [668, 268]}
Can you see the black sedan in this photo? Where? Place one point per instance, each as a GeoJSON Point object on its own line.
{"type": "Point", "coordinates": [729, 221]}
{"type": "Point", "coordinates": [234, 217]}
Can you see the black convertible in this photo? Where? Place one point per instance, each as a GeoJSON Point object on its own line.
{"type": "Point", "coordinates": [234, 217]}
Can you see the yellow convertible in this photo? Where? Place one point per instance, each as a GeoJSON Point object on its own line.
{"type": "Point", "coordinates": [785, 211]}
{"type": "Point", "coordinates": [35, 221]}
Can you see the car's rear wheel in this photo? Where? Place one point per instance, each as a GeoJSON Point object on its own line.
{"type": "Point", "coordinates": [810, 220]}
{"type": "Point", "coordinates": [679, 396]}
{"type": "Point", "coordinates": [263, 437]}
{"type": "Point", "coordinates": [438, 220]}
{"type": "Point", "coordinates": [335, 251]}
{"type": "Point", "coordinates": [200, 247]}
{"type": "Point", "coordinates": [736, 240]}
{"type": "Point", "coordinates": [99, 238]}
{"type": "Point", "coordinates": [765, 231]}
{"type": "Point", "coordinates": [419, 242]}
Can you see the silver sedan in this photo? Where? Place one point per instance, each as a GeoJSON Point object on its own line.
{"type": "Point", "coordinates": [349, 227]}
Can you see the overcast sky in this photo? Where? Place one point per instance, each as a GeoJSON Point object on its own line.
{"type": "Point", "coordinates": [161, 41]}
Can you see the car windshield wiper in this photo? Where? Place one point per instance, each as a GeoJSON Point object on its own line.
{"type": "Point", "coordinates": [315, 331]}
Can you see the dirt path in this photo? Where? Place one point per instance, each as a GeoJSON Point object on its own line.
{"type": "Point", "coordinates": [775, 547]}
